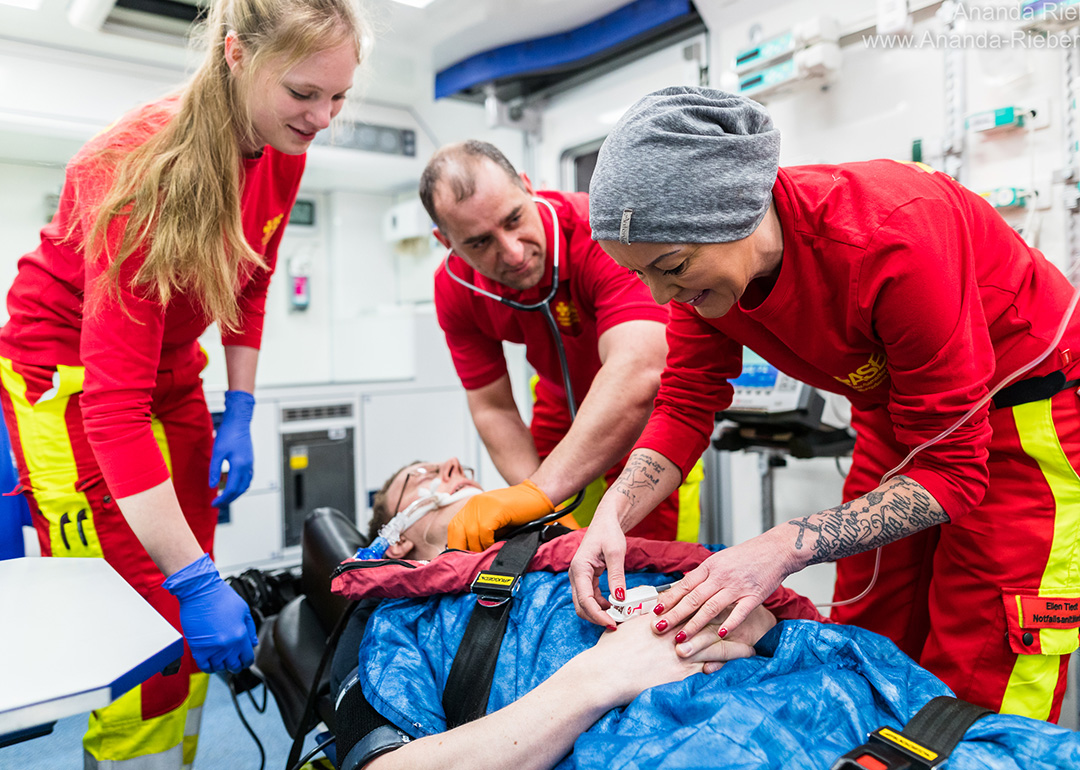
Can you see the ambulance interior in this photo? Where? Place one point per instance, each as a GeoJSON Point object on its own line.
{"type": "Point", "coordinates": [358, 380]}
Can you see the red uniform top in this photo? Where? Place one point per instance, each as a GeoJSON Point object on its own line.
{"type": "Point", "coordinates": [898, 288]}
{"type": "Point", "coordinates": [124, 345]}
{"type": "Point", "coordinates": [594, 295]}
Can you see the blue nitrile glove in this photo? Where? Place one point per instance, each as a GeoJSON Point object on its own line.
{"type": "Point", "coordinates": [233, 443]}
{"type": "Point", "coordinates": [216, 621]}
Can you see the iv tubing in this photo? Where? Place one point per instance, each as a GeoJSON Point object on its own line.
{"type": "Point", "coordinates": [948, 431]}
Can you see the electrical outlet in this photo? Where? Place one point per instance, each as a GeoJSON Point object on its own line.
{"type": "Point", "coordinates": [1041, 112]}
{"type": "Point", "coordinates": [1044, 197]}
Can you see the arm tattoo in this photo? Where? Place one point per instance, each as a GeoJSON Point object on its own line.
{"type": "Point", "coordinates": [639, 473]}
{"type": "Point", "coordinates": [869, 522]}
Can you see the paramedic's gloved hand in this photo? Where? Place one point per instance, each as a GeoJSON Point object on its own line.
{"type": "Point", "coordinates": [233, 443]}
{"type": "Point", "coordinates": [475, 525]}
{"type": "Point", "coordinates": [603, 547]}
{"type": "Point", "coordinates": [216, 621]}
{"type": "Point", "coordinates": [740, 577]}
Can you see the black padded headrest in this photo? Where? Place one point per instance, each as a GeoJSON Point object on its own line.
{"type": "Point", "coordinates": [329, 538]}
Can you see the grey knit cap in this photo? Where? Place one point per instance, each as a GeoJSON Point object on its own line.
{"type": "Point", "coordinates": [685, 165]}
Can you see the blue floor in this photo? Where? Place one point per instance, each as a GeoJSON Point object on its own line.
{"type": "Point", "coordinates": [223, 742]}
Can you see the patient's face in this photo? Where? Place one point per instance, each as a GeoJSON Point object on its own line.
{"type": "Point", "coordinates": [426, 539]}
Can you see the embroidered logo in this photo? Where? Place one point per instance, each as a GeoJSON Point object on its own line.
{"type": "Point", "coordinates": [567, 317]}
{"type": "Point", "coordinates": [566, 314]}
{"type": "Point", "coordinates": [270, 228]}
{"type": "Point", "coordinates": [624, 227]}
{"type": "Point", "coordinates": [869, 375]}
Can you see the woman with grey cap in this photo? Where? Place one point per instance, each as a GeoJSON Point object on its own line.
{"type": "Point", "coordinates": [893, 285]}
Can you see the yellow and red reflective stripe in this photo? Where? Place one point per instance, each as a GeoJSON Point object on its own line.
{"type": "Point", "coordinates": [1030, 690]}
{"type": "Point", "coordinates": [689, 526]}
{"type": "Point", "coordinates": [50, 459]}
{"type": "Point", "coordinates": [119, 737]}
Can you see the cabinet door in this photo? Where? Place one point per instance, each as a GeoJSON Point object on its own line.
{"type": "Point", "coordinates": [317, 471]}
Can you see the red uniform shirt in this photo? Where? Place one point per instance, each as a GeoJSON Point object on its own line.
{"type": "Point", "coordinates": [594, 295]}
{"type": "Point", "coordinates": [123, 347]}
{"type": "Point", "coordinates": [898, 288]}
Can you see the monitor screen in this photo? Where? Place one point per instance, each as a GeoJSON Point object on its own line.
{"type": "Point", "coordinates": [756, 372]}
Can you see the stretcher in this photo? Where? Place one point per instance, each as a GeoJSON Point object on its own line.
{"type": "Point", "coordinates": [814, 692]}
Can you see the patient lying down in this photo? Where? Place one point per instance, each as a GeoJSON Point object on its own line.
{"type": "Point", "coordinates": [568, 694]}
{"type": "Point", "coordinates": [572, 699]}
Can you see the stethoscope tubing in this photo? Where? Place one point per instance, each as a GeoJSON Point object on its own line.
{"type": "Point", "coordinates": [544, 307]}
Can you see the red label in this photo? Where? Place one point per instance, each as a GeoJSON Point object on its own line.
{"type": "Point", "coordinates": [1047, 612]}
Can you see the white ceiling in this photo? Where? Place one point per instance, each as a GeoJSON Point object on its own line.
{"type": "Point", "coordinates": [437, 36]}
{"type": "Point", "coordinates": [411, 46]}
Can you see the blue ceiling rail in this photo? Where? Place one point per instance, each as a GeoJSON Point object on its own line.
{"type": "Point", "coordinates": [571, 50]}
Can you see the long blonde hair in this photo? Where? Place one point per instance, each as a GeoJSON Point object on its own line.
{"type": "Point", "coordinates": [180, 189]}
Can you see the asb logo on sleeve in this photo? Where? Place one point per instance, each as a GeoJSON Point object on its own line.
{"type": "Point", "coordinates": [869, 375]}
{"type": "Point", "coordinates": [270, 228]}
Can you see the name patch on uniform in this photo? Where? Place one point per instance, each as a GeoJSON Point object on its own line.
{"type": "Point", "coordinates": [1049, 612]}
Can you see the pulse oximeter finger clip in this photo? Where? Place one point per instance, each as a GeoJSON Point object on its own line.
{"type": "Point", "coordinates": [639, 599]}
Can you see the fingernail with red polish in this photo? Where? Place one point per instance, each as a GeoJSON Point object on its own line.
{"type": "Point", "coordinates": [722, 633]}
{"type": "Point", "coordinates": [661, 625]}
{"type": "Point", "coordinates": [680, 637]}
{"type": "Point", "coordinates": [620, 594]}
{"type": "Point", "coordinates": [611, 628]}
{"type": "Point", "coordinates": [658, 609]}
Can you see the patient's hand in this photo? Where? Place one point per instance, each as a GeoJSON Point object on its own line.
{"type": "Point", "coordinates": [756, 625]}
{"type": "Point", "coordinates": [632, 659]}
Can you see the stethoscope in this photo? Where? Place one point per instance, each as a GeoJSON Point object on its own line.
{"type": "Point", "coordinates": [544, 306]}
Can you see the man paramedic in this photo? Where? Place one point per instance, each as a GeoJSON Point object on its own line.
{"type": "Point", "coordinates": [503, 238]}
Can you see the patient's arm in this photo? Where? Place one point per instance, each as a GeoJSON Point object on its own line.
{"type": "Point", "coordinates": [536, 731]}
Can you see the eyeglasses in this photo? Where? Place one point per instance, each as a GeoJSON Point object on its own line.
{"type": "Point", "coordinates": [422, 473]}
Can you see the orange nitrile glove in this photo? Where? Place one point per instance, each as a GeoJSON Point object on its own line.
{"type": "Point", "coordinates": [475, 525]}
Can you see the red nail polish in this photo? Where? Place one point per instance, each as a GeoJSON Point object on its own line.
{"type": "Point", "coordinates": [620, 594]}
{"type": "Point", "coordinates": [680, 637]}
{"type": "Point", "coordinates": [661, 625]}
{"type": "Point", "coordinates": [611, 628]}
{"type": "Point", "coordinates": [722, 633]}
{"type": "Point", "coordinates": [658, 609]}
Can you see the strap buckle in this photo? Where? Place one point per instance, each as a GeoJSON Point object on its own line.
{"type": "Point", "coordinates": [494, 588]}
{"type": "Point", "coordinates": [887, 749]}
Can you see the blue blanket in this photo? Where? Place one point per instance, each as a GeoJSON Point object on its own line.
{"type": "Point", "coordinates": [813, 693]}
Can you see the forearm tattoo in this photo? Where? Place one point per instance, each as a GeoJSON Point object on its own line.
{"type": "Point", "coordinates": [868, 522]}
{"type": "Point", "coordinates": [640, 474]}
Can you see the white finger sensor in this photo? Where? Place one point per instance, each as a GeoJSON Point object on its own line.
{"type": "Point", "coordinates": [639, 600]}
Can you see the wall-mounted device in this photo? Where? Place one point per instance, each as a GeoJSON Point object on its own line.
{"type": "Point", "coordinates": [1002, 119]}
{"type": "Point", "coordinates": [302, 214]}
{"type": "Point", "coordinates": [818, 65]}
{"type": "Point", "coordinates": [406, 220]}
{"type": "Point", "coordinates": [1034, 114]}
{"type": "Point", "coordinates": [803, 35]}
{"type": "Point", "coordinates": [1049, 15]}
{"type": "Point", "coordinates": [1007, 197]}
{"type": "Point", "coordinates": [370, 137]}
{"type": "Point", "coordinates": [298, 267]}
{"type": "Point", "coordinates": [808, 53]}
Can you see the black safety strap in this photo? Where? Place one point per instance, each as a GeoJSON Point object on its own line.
{"type": "Point", "coordinates": [469, 682]}
{"type": "Point", "coordinates": [1033, 389]}
{"type": "Point", "coordinates": [925, 742]}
